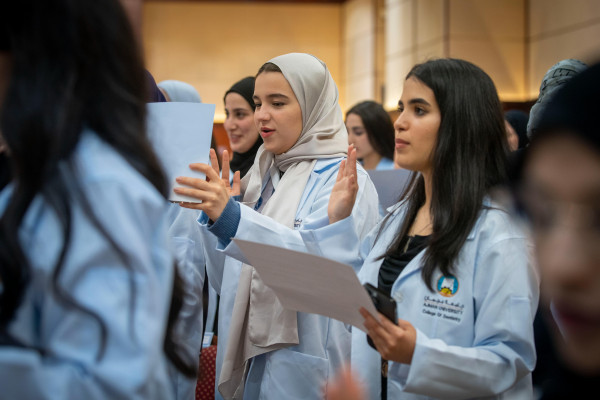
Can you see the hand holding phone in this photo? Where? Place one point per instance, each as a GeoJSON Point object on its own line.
{"type": "Point", "coordinates": [383, 303]}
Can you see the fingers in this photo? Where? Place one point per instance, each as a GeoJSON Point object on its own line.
{"type": "Point", "coordinates": [370, 321]}
{"type": "Point", "coordinates": [193, 206]}
{"type": "Point", "coordinates": [380, 335]}
{"type": "Point", "coordinates": [207, 170]}
{"type": "Point", "coordinates": [341, 171]}
{"type": "Point", "coordinates": [225, 167]}
{"type": "Point", "coordinates": [366, 315]}
{"type": "Point", "coordinates": [237, 185]}
{"type": "Point", "coordinates": [195, 183]}
{"type": "Point", "coordinates": [214, 161]}
{"type": "Point", "coordinates": [195, 193]}
{"type": "Point", "coordinates": [345, 387]}
{"type": "Point", "coordinates": [351, 164]}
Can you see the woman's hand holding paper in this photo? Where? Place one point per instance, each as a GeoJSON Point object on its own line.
{"type": "Point", "coordinates": [214, 191]}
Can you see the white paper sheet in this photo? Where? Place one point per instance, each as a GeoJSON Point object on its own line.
{"type": "Point", "coordinates": [180, 134]}
{"type": "Point", "coordinates": [308, 283]}
{"type": "Point", "coordinates": [389, 184]}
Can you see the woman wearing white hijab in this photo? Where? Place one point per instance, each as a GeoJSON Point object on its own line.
{"type": "Point", "coordinates": [178, 91]}
{"type": "Point", "coordinates": [265, 351]}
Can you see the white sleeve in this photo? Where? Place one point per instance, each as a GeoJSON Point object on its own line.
{"type": "Point", "coordinates": [343, 235]}
{"type": "Point", "coordinates": [129, 292]}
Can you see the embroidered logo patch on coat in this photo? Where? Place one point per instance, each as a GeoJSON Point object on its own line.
{"type": "Point", "coordinates": [447, 285]}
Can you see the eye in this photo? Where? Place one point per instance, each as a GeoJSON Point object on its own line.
{"type": "Point", "coordinates": [419, 111]}
{"type": "Point", "coordinates": [400, 108]}
{"type": "Point", "coordinates": [257, 105]}
{"type": "Point", "coordinates": [542, 213]}
{"type": "Point", "coordinates": [240, 115]}
{"type": "Point", "coordinates": [278, 104]}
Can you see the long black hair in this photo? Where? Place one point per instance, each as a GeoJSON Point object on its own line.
{"type": "Point", "coordinates": [75, 65]}
{"type": "Point", "coordinates": [378, 124]}
{"type": "Point", "coordinates": [469, 158]}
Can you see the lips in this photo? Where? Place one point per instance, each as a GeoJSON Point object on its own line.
{"type": "Point", "coordinates": [266, 132]}
{"type": "Point", "coordinates": [575, 320]}
{"type": "Point", "coordinates": [401, 143]}
{"type": "Point", "coordinates": [235, 138]}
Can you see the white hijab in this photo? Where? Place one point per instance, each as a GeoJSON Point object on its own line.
{"type": "Point", "coordinates": [259, 323]}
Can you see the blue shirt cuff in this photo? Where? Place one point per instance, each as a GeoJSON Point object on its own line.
{"type": "Point", "coordinates": [225, 227]}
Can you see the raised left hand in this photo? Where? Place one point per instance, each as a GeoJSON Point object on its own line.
{"type": "Point", "coordinates": [214, 191]}
{"type": "Point", "coordinates": [393, 342]}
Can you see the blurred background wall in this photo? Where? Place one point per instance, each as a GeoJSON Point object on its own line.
{"type": "Point", "coordinates": [368, 45]}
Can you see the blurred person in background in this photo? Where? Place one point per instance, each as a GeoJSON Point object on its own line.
{"type": "Point", "coordinates": [371, 132]}
{"type": "Point", "coordinates": [89, 297]}
{"type": "Point", "coordinates": [244, 138]}
{"type": "Point", "coordinates": [557, 188]}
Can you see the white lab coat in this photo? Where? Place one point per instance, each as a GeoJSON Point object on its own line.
{"type": "Point", "coordinates": [186, 245]}
{"type": "Point", "coordinates": [130, 291]}
{"type": "Point", "coordinates": [478, 343]}
{"type": "Point", "coordinates": [302, 371]}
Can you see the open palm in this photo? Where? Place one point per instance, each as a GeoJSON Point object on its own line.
{"type": "Point", "coordinates": [343, 194]}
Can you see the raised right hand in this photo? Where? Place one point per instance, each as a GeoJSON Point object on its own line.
{"type": "Point", "coordinates": [343, 194]}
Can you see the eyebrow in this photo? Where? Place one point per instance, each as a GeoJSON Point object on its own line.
{"type": "Point", "coordinates": [272, 96]}
{"type": "Point", "coordinates": [415, 101]}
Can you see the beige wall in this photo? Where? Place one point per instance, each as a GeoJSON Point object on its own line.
{"type": "Point", "coordinates": [514, 41]}
{"type": "Point", "coordinates": [489, 33]}
{"type": "Point", "coordinates": [560, 29]}
{"type": "Point", "coordinates": [359, 46]}
{"type": "Point", "coordinates": [414, 32]}
{"type": "Point", "coordinates": [211, 45]}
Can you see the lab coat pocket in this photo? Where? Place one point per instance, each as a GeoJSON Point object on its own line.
{"type": "Point", "coordinates": [293, 375]}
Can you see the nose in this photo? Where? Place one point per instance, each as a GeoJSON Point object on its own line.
{"type": "Point", "coordinates": [261, 114]}
{"type": "Point", "coordinates": [567, 258]}
{"type": "Point", "coordinates": [401, 122]}
{"type": "Point", "coordinates": [229, 124]}
{"type": "Point", "coordinates": [350, 137]}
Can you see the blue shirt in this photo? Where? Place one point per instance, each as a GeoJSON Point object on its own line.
{"type": "Point", "coordinates": [385, 164]}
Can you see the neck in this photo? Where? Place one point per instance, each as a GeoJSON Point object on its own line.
{"type": "Point", "coordinates": [371, 160]}
{"type": "Point", "coordinates": [427, 178]}
{"type": "Point", "coordinates": [422, 225]}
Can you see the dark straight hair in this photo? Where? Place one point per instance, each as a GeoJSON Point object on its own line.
{"type": "Point", "coordinates": [469, 158]}
{"type": "Point", "coordinates": [75, 65]}
{"type": "Point", "coordinates": [379, 126]}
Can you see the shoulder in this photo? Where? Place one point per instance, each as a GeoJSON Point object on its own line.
{"type": "Point", "coordinates": [324, 165]}
{"type": "Point", "coordinates": [100, 167]}
{"type": "Point", "coordinates": [497, 234]}
{"type": "Point", "coordinates": [385, 164]}
{"type": "Point", "coordinates": [496, 224]}
{"type": "Point", "coordinates": [329, 166]}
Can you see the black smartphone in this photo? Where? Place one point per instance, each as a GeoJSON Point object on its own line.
{"type": "Point", "coordinates": [383, 303]}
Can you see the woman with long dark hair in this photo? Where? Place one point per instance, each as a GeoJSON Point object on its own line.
{"type": "Point", "coordinates": [89, 294]}
{"type": "Point", "coordinates": [454, 262]}
{"type": "Point", "coordinates": [371, 132]}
